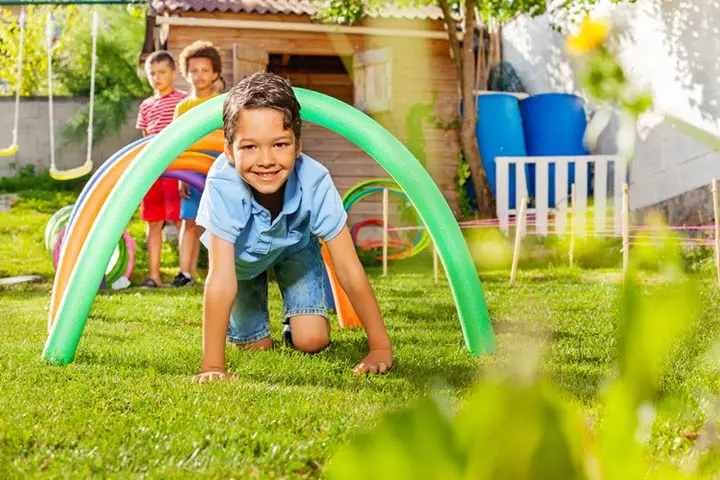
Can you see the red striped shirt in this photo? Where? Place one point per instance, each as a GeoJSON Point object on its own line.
{"type": "Point", "coordinates": [156, 113]}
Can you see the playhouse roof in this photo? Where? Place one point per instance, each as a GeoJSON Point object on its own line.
{"type": "Point", "coordinates": [291, 7]}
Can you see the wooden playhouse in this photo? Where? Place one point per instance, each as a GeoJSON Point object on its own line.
{"type": "Point", "coordinates": [395, 66]}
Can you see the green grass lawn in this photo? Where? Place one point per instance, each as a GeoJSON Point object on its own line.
{"type": "Point", "coordinates": [127, 407]}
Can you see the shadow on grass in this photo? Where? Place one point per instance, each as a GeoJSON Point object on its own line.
{"type": "Point", "coordinates": [502, 278]}
{"type": "Point", "coordinates": [523, 329]}
{"type": "Point", "coordinates": [331, 368]}
{"type": "Point", "coordinates": [25, 291]}
{"type": "Point", "coordinates": [137, 290]}
{"type": "Point", "coordinates": [121, 360]}
{"type": "Point", "coordinates": [579, 381]}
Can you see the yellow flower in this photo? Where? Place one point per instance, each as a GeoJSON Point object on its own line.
{"type": "Point", "coordinates": [593, 33]}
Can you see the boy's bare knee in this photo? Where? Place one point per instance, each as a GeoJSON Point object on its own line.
{"type": "Point", "coordinates": [155, 226]}
{"type": "Point", "coordinates": [311, 343]}
{"type": "Point", "coordinates": [310, 333]}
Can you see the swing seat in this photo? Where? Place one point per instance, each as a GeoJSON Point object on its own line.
{"type": "Point", "coordinates": [72, 173]}
{"type": "Point", "coordinates": [11, 150]}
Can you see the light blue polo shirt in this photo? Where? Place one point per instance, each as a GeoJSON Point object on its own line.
{"type": "Point", "coordinates": [228, 210]}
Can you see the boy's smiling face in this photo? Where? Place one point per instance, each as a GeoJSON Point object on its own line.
{"type": "Point", "coordinates": [263, 150]}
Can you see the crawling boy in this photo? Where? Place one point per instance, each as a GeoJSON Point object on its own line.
{"type": "Point", "coordinates": [267, 205]}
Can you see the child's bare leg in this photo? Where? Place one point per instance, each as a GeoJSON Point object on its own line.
{"type": "Point", "coordinates": [188, 240]}
{"type": "Point", "coordinates": [310, 333]}
{"type": "Point", "coordinates": [178, 226]}
{"type": "Point", "coordinates": [196, 249]}
{"type": "Point", "coordinates": [262, 344]}
{"type": "Point", "coordinates": [154, 249]}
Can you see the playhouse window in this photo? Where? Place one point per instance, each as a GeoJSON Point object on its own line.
{"type": "Point", "coordinates": [373, 81]}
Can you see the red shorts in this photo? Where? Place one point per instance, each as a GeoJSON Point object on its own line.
{"type": "Point", "coordinates": [162, 202]}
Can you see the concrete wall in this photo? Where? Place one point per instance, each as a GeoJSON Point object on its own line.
{"type": "Point", "coordinates": [672, 46]}
{"type": "Point", "coordinates": [34, 136]}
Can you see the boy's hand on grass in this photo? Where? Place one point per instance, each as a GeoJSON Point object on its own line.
{"type": "Point", "coordinates": [206, 377]}
{"type": "Point", "coordinates": [184, 190]}
{"type": "Point", "coordinates": [377, 361]}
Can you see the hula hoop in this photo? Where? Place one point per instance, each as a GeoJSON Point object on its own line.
{"type": "Point", "coordinates": [132, 245]}
{"type": "Point", "coordinates": [392, 243]}
{"type": "Point", "coordinates": [128, 243]}
{"type": "Point", "coordinates": [59, 219]}
{"type": "Point", "coordinates": [370, 221]}
{"type": "Point", "coordinates": [117, 267]}
{"type": "Point", "coordinates": [422, 240]}
{"type": "Point", "coordinates": [399, 241]}
{"type": "Point", "coordinates": [374, 181]}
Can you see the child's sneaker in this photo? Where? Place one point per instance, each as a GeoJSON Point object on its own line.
{"type": "Point", "coordinates": [182, 280]}
{"type": "Point", "coordinates": [287, 336]}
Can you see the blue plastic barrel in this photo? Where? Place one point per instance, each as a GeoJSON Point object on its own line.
{"type": "Point", "coordinates": [554, 124]}
{"type": "Point", "coordinates": [500, 134]}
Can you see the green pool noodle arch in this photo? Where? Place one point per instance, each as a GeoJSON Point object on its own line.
{"type": "Point", "coordinates": [317, 108]}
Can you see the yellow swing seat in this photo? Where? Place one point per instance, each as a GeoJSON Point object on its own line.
{"type": "Point", "coordinates": [71, 173]}
{"type": "Point", "coordinates": [11, 150]}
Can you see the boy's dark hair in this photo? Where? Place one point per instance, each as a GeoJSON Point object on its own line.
{"type": "Point", "coordinates": [200, 49]}
{"type": "Point", "coordinates": [160, 56]}
{"type": "Point", "coordinates": [261, 90]}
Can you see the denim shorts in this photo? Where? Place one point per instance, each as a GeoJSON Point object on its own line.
{"type": "Point", "coordinates": [302, 285]}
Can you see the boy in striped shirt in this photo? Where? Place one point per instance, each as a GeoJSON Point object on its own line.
{"type": "Point", "coordinates": [162, 202]}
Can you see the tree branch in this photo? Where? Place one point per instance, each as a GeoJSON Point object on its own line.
{"type": "Point", "coordinates": [454, 44]}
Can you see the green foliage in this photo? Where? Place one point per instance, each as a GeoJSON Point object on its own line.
{"type": "Point", "coordinates": [507, 429]}
{"type": "Point", "coordinates": [417, 443]}
{"type": "Point", "coordinates": [28, 178]}
{"type": "Point", "coordinates": [462, 177]}
{"type": "Point", "coordinates": [604, 79]}
{"type": "Point", "coordinates": [516, 425]}
{"type": "Point", "coordinates": [117, 84]}
{"type": "Point", "coordinates": [490, 248]}
{"type": "Point", "coordinates": [352, 11]}
{"type": "Point", "coordinates": [504, 10]}
{"type": "Point", "coordinates": [418, 114]}
{"type": "Point", "coordinates": [340, 11]}
{"type": "Point", "coordinates": [44, 201]}
{"type": "Point", "coordinates": [368, 258]}
{"type": "Point", "coordinates": [582, 7]}
{"type": "Point", "coordinates": [34, 69]}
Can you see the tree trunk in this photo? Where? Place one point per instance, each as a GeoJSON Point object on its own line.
{"type": "Point", "coordinates": [465, 68]}
{"type": "Point", "coordinates": [455, 53]}
{"type": "Point", "coordinates": [468, 138]}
